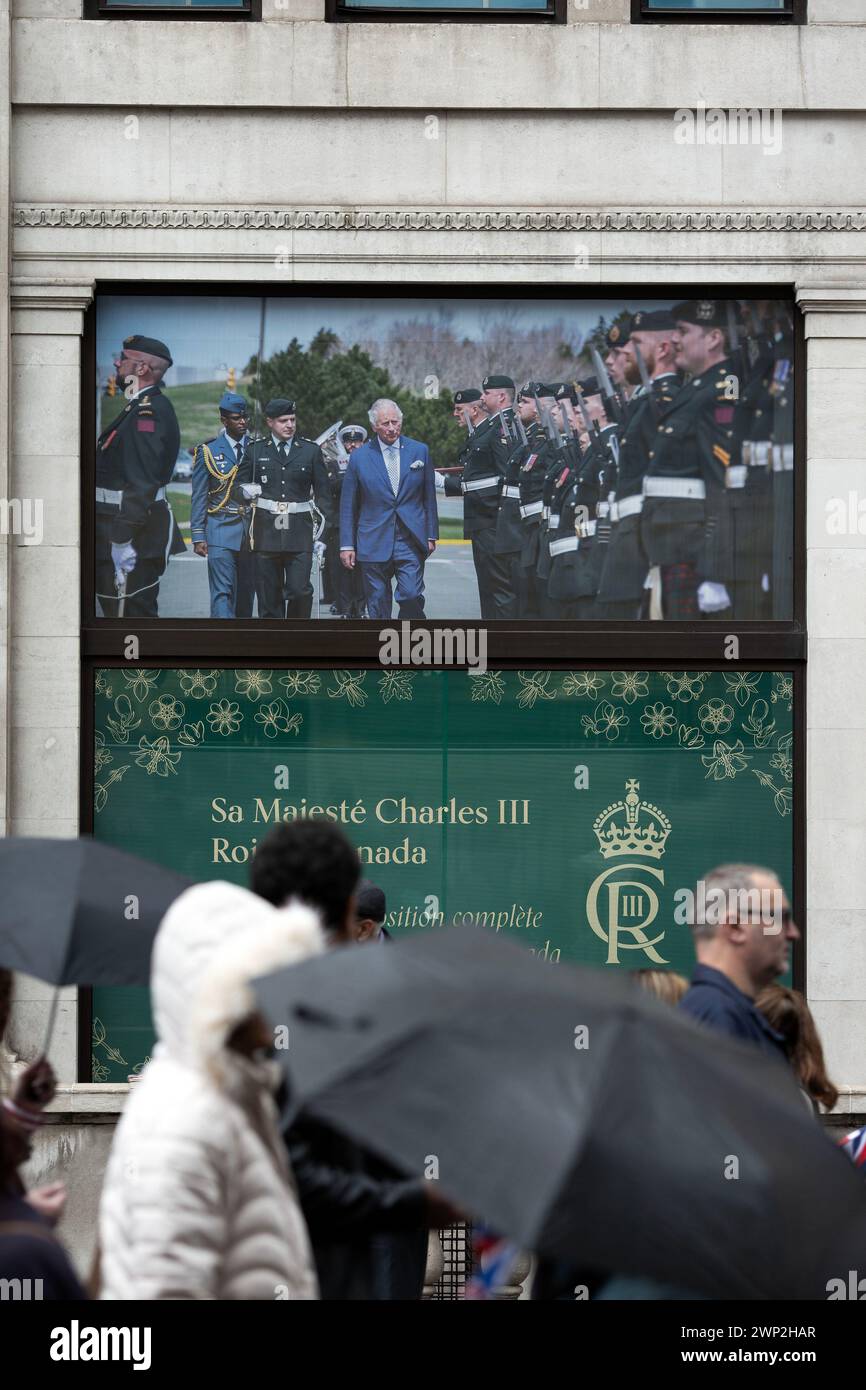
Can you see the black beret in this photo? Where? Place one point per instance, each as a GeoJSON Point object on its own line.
{"type": "Point", "coordinates": [370, 901]}
{"type": "Point", "coordinates": [537, 388]}
{"type": "Point", "coordinates": [497, 383]}
{"type": "Point", "coordinates": [652, 320]}
{"type": "Point", "coordinates": [566, 392]}
{"type": "Point", "coordinates": [617, 334]}
{"type": "Point", "coordinates": [707, 313]}
{"type": "Point", "coordinates": [466, 395]}
{"type": "Point", "coordinates": [139, 343]}
{"type": "Point", "coordinates": [279, 406]}
{"type": "Point", "coordinates": [589, 386]}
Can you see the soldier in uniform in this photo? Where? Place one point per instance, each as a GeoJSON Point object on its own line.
{"type": "Point", "coordinates": [509, 536]}
{"type": "Point", "coordinates": [135, 458]}
{"type": "Point", "coordinates": [695, 460]}
{"type": "Point", "coordinates": [577, 534]}
{"type": "Point", "coordinates": [348, 583]}
{"type": "Point", "coordinates": [532, 474]}
{"type": "Point", "coordinates": [218, 524]}
{"type": "Point", "coordinates": [621, 588]}
{"type": "Point", "coordinates": [283, 474]}
{"type": "Point", "coordinates": [483, 459]}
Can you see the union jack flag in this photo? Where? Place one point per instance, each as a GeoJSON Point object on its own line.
{"type": "Point", "coordinates": [854, 1145]}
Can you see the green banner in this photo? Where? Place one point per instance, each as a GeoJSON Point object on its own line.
{"type": "Point", "coordinates": [565, 809]}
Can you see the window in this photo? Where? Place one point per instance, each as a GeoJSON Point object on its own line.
{"type": "Point", "coordinates": [569, 810]}
{"type": "Point", "coordinates": [173, 9]}
{"type": "Point", "coordinates": [561, 458]}
{"type": "Point", "coordinates": [478, 10]}
{"type": "Point", "coordinates": [737, 11]}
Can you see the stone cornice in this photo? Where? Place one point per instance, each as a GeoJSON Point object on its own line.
{"type": "Point", "coordinates": [99, 217]}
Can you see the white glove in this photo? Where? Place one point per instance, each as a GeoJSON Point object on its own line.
{"type": "Point", "coordinates": [440, 482]}
{"type": "Point", "coordinates": [712, 598]}
{"type": "Point", "coordinates": [319, 549]}
{"type": "Point", "coordinates": [251, 490]}
{"type": "Point", "coordinates": [123, 557]}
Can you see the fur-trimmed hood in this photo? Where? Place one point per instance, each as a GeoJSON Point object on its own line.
{"type": "Point", "coordinates": [214, 940]}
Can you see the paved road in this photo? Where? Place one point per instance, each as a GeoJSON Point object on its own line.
{"type": "Point", "coordinates": [450, 580]}
{"type": "Point", "coordinates": [449, 575]}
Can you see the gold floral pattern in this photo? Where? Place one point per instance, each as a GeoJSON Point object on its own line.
{"type": "Point", "coordinates": [629, 686]}
{"type": "Point", "coordinates": [101, 755]}
{"type": "Point", "coordinates": [486, 685]}
{"type": "Point", "coordinates": [784, 692]}
{"type": "Point", "coordinates": [716, 716]}
{"type": "Point", "coordinates": [755, 725]}
{"type": "Point", "coordinates": [658, 720]}
{"type": "Point", "coordinates": [253, 684]}
{"type": "Point", "coordinates": [191, 735]}
{"type": "Point", "coordinates": [101, 789]}
{"type": "Point", "coordinates": [396, 685]}
{"type": "Point", "coordinates": [124, 720]}
{"type": "Point", "coordinates": [277, 718]}
{"type": "Point", "coordinates": [782, 796]}
{"type": "Point", "coordinates": [782, 759]}
{"type": "Point", "coordinates": [301, 682]}
{"type": "Point", "coordinates": [140, 683]}
{"type": "Point", "coordinates": [349, 685]}
{"type": "Point", "coordinates": [584, 685]}
{"type": "Point", "coordinates": [225, 717]}
{"type": "Point", "coordinates": [166, 712]}
{"type": "Point", "coordinates": [606, 719]}
{"type": "Point", "coordinates": [690, 738]}
{"type": "Point", "coordinates": [742, 686]}
{"type": "Point", "coordinates": [534, 687]}
{"type": "Point", "coordinates": [726, 760]}
{"type": "Point", "coordinates": [198, 685]}
{"type": "Point", "coordinates": [157, 758]}
{"type": "Point", "coordinates": [685, 685]}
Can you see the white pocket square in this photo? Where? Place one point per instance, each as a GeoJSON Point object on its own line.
{"type": "Point", "coordinates": [419, 463]}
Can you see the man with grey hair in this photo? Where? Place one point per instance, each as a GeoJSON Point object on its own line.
{"type": "Point", "coordinates": [389, 521]}
{"type": "Point", "coordinates": [742, 924]}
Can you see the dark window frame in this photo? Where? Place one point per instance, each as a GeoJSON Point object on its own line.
{"type": "Point", "coordinates": [93, 9]}
{"type": "Point", "coordinates": [336, 12]}
{"type": "Point", "coordinates": [794, 13]}
{"type": "Point", "coordinates": [172, 643]}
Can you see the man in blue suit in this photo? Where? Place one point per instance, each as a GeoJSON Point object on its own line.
{"type": "Point", "coordinates": [218, 523]}
{"type": "Point", "coordinates": [389, 522]}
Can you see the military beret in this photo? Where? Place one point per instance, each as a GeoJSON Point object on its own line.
{"type": "Point", "coordinates": [279, 406]}
{"type": "Point", "coordinates": [589, 386]}
{"type": "Point", "coordinates": [232, 404]}
{"type": "Point", "coordinates": [652, 321]}
{"type": "Point", "coordinates": [536, 388]}
{"type": "Point", "coordinates": [139, 343]}
{"type": "Point", "coordinates": [707, 313]}
{"type": "Point", "coordinates": [466, 395]}
{"type": "Point", "coordinates": [354, 433]}
{"type": "Point", "coordinates": [497, 383]}
{"type": "Point", "coordinates": [617, 335]}
{"type": "Point", "coordinates": [566, 392]}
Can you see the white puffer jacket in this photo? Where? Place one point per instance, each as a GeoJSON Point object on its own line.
{"type": "Point", "coordinates": [199, 1201]}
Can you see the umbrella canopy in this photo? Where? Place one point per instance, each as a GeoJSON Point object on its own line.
{"type": "Point", "coordinates": [573, 1113]}
{"type": "Point", "coordinates": [77, 912]}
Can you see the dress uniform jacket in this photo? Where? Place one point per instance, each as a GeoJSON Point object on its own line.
{"type": "Point", "coordinates": [287, 479]}
{"type": "Point", "coordinates": [218, 516]}
{"type": "Point", "coordinates": [576, 549]}
{"type": "Point", "coordinates": [484, 458]}
{"type": "Point", "coordinates": [626, 565]}
{"type": "Point", "coordinates": [135, 458]}
{"type": "Point", "coordinates": [695, 449]}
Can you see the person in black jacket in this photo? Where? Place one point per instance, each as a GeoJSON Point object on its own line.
{"type": "Point", "coordinates": [368, 1224]}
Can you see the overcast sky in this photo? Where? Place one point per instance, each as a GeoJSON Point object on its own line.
{"type": "Point", "coordinates": [221, 331]}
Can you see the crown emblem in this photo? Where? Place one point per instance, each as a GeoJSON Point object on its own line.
{"type": "Point", "coordinates": [629, 836]}
{"type": "Point", "coordinates": [706, 309]}
{"type": "Point", "coordinates": [613, 335]}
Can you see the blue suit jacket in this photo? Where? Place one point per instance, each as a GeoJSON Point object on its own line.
{"type": "Point", "coordinates": [369, 511]}
{"type": "Point", "coordinates": [226, 527]}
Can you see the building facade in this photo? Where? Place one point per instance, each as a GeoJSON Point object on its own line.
{"type": "Point", "coordinates": [296, 148]}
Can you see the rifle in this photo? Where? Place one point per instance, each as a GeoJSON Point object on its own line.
{"type": "Point", "coordinates": [611, 396]}
{"type": "Point", "coordinates": [645, 381]}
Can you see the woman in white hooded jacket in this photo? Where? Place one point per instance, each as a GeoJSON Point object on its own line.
{"type": "Point", "coordinates": [199, 1201]}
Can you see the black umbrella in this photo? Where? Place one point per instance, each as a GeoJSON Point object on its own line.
{"type": "Point", "coordinates": [77, 912]}
{"type": "Point", "coordinates": [572, 1113]}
